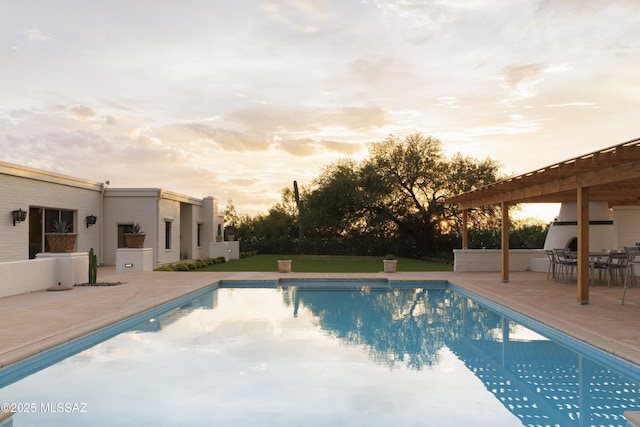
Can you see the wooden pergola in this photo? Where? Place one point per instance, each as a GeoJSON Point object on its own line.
{"type": "Point", "coordinates": [611, 174]}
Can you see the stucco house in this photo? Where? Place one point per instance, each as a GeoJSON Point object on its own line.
{"type": "Point", "coordinates": [176, 226]}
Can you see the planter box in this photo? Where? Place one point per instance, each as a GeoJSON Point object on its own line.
{"type": "Point", "coordinates": [134, 241]}
{"type": "Point", "coordinates": [62, 242]}
{"type": "Point", "coordinates": [284, 266]}
{"type": "Point", "coordinates": [390, 265]}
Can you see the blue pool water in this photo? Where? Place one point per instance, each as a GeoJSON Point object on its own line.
{"type": "Point", "coordinates": [420, 354]}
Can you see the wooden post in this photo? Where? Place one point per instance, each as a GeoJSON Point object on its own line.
{"type": "Point", "coordinates": [583, 245]}
{"type": "Point", "coordinates": [465, 231]}
{"type": "Point", "coordinates": [505, 242]}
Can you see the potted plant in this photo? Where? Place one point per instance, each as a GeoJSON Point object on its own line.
{"type": "Point", "coordinates": [390, 264]}
{"type": "Point", "coordinates": [135, 236]}
{"type": "Point", "coordinates": [61, 239]}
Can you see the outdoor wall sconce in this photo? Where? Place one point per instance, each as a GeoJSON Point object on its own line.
{"type": "Point", "coordinates": [18, 216]}
{"type": "Point", "coordinates": [91, 220]}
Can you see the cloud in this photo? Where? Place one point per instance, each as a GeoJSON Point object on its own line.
{"type": "Point", "coordinates": [229, 139]}
{"type": "Point", "coordinates": [522, 81]}
{"type": "Point", "coordinates": [300, 147]}
{"type": "Point", "coordinates": [417, 20]}
{"type": "Point", "coordinates": [83, 112]}
{"type": "Point", "coordinates": [304, 16]}
{"type": "Point", "coordinates": [36, 35]}
{"type": "Point", "coordinates": [377, 69]}
{"type": "Point", "coordinates": [345, 148]}
{"type": "Point", "coordinates": [356, 118]}
{"type": "Point", "coordinates": [575, 104]}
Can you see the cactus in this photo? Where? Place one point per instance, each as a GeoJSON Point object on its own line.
{"type": "Point", "coordinates": [93, 267]}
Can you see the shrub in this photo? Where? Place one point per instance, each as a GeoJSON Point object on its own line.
{"type": "Point", "coordinates": [182, 266]}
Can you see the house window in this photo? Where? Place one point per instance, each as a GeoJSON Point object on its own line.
{"type": "Point", "coordinates": [167, 234]}
{"type": "Point", "coordinates": [123, 228]}
{"type": "Point", "coordinates": [52, 216]}
{"type": "Point", "coordinates": [198, 234]}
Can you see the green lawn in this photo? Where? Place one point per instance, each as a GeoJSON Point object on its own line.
{"type": "Point", "coordinates": [325, 264]}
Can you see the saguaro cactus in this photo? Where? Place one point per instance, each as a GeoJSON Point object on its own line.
{"type": "Point", "coordinates": [300, 204]}
{"type": "Point", "coordinates": [93, 267]}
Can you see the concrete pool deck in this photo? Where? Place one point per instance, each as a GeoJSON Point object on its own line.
{"type": "Point", "coordinates": [33, 322]}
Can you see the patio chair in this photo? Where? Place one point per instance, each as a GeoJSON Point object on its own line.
{"type": "Point", "coordinates": [553, 264]}
{"type": "Point", "coordinates": [565, 262]}
{"type": "Point", "coordinates": [616, 266]}
{"type": "Point", "coordinates": [601, 264]}
{"type": "Point", "coordinates": [633, 259]}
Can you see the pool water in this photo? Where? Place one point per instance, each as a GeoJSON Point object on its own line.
{"type": "Point", "coordinates": [303, 356]}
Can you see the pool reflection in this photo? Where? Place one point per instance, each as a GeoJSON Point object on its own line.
{"type": "Point", "coordinates": [539, 381]}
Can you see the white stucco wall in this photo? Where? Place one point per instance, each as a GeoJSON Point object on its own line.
{"type": "Point", "coordinates": [626, 220]}
{"type": "Point", "coordinates": [47, 270]}
{"type": "Point", "coordinates": [169, 211]}
{"type": "Point", "coordinates": [18, 277]}
{"type": "Point", "coordinates": [153, 208]}
{"type": "Point", "coordinates": [22, 188]}
{"type": "Point", "coordinates": [491, 259]}
{"type": "Point", "coordinates": [127, 206]}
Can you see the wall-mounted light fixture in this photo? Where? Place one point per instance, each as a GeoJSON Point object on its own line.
{"type": "Point", "coordinates": [18, 216]}
{"type": "Point", "coordinates": [91, 220]}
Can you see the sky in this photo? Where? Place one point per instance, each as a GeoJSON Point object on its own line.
{"type": "Point", "coordinates": [237, 99]}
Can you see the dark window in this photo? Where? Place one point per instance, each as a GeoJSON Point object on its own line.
{"type": "Point", "coordinates": [198, 233]}
{"type": "Point", "coordinates": [52, 216]}
{"type": "Point", "coordinates": [167, 234]}
{"type": "Point", "coordinates": [123, 228]}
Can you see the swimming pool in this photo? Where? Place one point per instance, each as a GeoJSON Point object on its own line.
{"type": "Point", "coordinates": [315, 354]}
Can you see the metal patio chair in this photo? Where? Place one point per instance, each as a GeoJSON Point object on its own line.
{"type": "Point", "coordinates": [553, 264]}
{"type": "Point", "coordinates": [565, 262]}
{"type": "Point", "coordinates": [633, 259]}
{"type": "Point", "coordinates": [616, 266]}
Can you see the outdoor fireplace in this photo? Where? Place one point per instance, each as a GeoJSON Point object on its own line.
{"type": "Point", "coordinates": [563, 231]}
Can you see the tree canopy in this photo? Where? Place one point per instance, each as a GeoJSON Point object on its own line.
{"type": "Point", "coordinates": [397, 192]}
{"type": "Point", "coordinates": [393, 201]}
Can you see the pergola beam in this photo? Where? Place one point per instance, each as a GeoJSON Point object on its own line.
{"type": "Point", "coordinates": [609, 181]}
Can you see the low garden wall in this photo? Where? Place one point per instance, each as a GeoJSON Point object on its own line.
{"type": "Point", "coordinates": [228, 250]}
{"type": "Point", "coordinates": [491, 260]}
{"type": "Point", "coordinates": [46, 271]}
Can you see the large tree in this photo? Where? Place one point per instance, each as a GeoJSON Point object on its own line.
{"type": "Point", "coordinates": [409, 180]}
{"type": "Point", "coordinates": [397, 193]}
{"type": "Point", "coordinates": [391, 202]}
